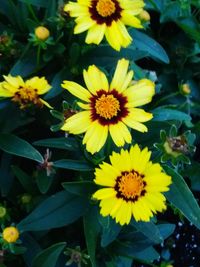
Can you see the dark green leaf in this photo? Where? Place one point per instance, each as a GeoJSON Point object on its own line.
{"type": "Point", "coordinates": [75, 165]}
{"type": "Point", "coordinates": [43, 181]}
{"type": "Point", "coordinates": [61, 142]}
{"type": "Point", "coordinates": [91, 230]}
{"type": "Point", "coordinates": [182, 198]}
{"type": "Point", "coordinates": [48, 257]}
{"type": "Point", "coordinates": [111, 229]}
{"type": "Point", "coordinates": [82, 188]}
{"type": "Point", "coordinates": [165, 114]}
{"type": "Point", "coordinates": [150, 230]}
{"type": "Point", "coordinates": [144, 43]}
{"type": "Point", "coordinates": [56, 211]}
{"type": "Point", "coordinates": [19, 147]}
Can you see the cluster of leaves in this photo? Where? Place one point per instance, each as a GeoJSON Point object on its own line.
{"type": "Point", "coordinates": [49, 197]}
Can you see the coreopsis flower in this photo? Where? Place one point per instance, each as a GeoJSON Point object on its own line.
{"type": "Point", "coordinates": [109, 109]}
{"type": "Point", "coordinates": [134, 186]}
{"type": "Point", "coordinates": [26, 92]}
{"type": "Point", "coordinates": [106, 17]}
{"type": "Point", "coordinates": [10, 234]}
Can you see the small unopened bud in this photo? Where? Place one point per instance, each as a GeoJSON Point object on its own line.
{"type": "Point", "coordinates": [10, 234]}
{"type": "Point", "coordinates": [26, 199]}
{"type": "Point", "coordinates": [42, 33]}
{"type": "Point", "coordinates": [144, 16]}
{"type": "Point", "coordinates": [185, 89]}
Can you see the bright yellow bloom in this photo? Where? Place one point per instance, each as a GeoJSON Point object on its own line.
{"type": "Point", "coordinates": [109, 109]}
{"type": "Point", "coordinates": [106, 17]}
{"type": "Point", "coordinates": [42, 33]}
{"type": "Point", "coordinates": [26, 92]}
{"type": "Point", "coordinates": [133, 186]}
{"type": "Point", "coordinates": [10, 234]}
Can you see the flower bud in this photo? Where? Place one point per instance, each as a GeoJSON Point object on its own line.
{"type": "Point", "coordinates": [185, 89]}
{"type": "Point", "coordinates": [10, 234]}
{"type": "Point", "coordinates": [144, 16]}
{"type": "Point", "coordinates": [42, 33]}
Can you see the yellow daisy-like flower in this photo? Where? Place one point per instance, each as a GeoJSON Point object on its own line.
{"type": "Point", "coordinates": [106, 17]}
{"type": "Point", "coordinates": [134, 186]}
{"type": "Point", "coordinates": [109, 109]}
{"type": "Point", "coordinates": [26, 92]}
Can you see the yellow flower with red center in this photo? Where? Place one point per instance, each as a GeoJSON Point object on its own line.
{"type": "Point", "coordinates": [10, 234]}
{"type": "Point", "coordinates": [109, 109]}
{"type": "Point", "coordinates": [26, 92]}
{"type": "Point", "coordinates": [106, 17]}
{"type": "Point", "coordinates": [134, 186]}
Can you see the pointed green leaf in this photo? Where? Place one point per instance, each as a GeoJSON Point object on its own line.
{"type": "Point", "coordinates": [75, 165]}
{"type": "Point", "coordinates": [48, 257]}
{"type": "Point", "coordinates": [61, 142]}
{"type": "Point", "coordinates": [19, 147]}
{"type": "Point", "coordinates": [56, 211]}
{"type": "Point", "coordinates": [182, 198]}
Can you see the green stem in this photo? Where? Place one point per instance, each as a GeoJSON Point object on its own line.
{"type": "Point", "coordinates": [38, 55]}
{"type": "Point", "coordinates": [32, 11]}
{"type": "Point", "coordinates": [165, 98]}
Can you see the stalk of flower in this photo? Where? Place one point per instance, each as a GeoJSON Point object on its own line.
{"type": "Point", "coordinates": [134, 186]}
{"type": "Point", "coordinates": [25, 93]}
{"type": "Point", "coordinates": [109, 109]}
{"type": "Point", "coordinates": [106, 17]}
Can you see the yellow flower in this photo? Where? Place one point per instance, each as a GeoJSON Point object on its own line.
{"type": "Point", "coordinates": [42, 33]}
{"type": "Point", "coordinates": [106, 17]}
{"type": "Point", "coordinates": [10, 234]}
{"type": "Point", "coordinates": [26, 92]}
{"type": "Point", "coordinates": [133, 186]}
{"type": "Point", "coordinates": [109, 109]}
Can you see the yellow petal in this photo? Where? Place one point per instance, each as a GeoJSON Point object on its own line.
{"type": "Point", "coordinates": [104, 193]}
{"type": "Point", "coordinates": [120, 133]}
{"type": "Point", "coordinates": [95, 79]}
{"type": "Point", "coordinates": [107, 205]}
{"type": "Point", "coordinates": [77, 90]}
{"type": "Point", "coordinates": [83, 24]}
{"type": "Point", "coordinates": [95, 34]}
{"type": "Point", "coordinates": [140, 93]}
{"type": "Point", "coordinates": [120, 75]}
{"type": "Point", "coordinates": [40, 84]}
{"type": "Point", "coordinates": [78, 123]}
{"type": "Point", "coordinates": [121, 161]}
{"type": "Point", "coordinates": [95, 137]}
{"type": "Point", "coordinates": [137, 114]}
{"type": "Point", "coordinates": [106, 175]}
{"type": "Point", "coordinates": [134, 124]}
{"type": "Point", "coordinates": [46, 103]}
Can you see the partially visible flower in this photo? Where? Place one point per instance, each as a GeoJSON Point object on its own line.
{"type": "Point", "coordinates": [106, 17]}
{"type": "Point", "coordinates": [109, 109]}
{"type": "Point", "coordinates": [10, 234]}
{"type": "Point", "coordinates": [42, 33]}
{"type": "Point", "coordinates": [134, 186]}
{"type": "Point", "coordinates": [144, 16]}
{"type": "Point", "coordinates": [26, 92]}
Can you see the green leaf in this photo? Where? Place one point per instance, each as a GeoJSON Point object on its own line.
{"type": "Point", "coordinates": [91, 230]}
{"type": "Point", "coordinates": [25, 180]}
{"type": "Point", "coordinates": [6, 178]}
{"type": "Point", "coordinates": [19, 147]}
{"type": "Point", "coordinates": [43, 181]}
{"type": "Point", "coordinates": [105, 56]}
{"type": "Point", "coordinates": [75, 165]}
{"type": "Point", "coordinates": [150, 230]}
{"type": "Point", "coordinates": [38, 3]}
{"type": "Point", "coordinates": [48, 257]}
{"type": "Point", "coordinates": [111, 229]}
{"type": "Point", "coordinates": [81, 188]}
{"type": "Point", "coordinates": [144, 43]}
{"type": "Point", "coordinates": [165, 114]}
{"type": "Point", "coordinates": [182, 198]}
{"type": "Point", "coordinates": [61, 142]}
{"type": "Point", "coordinates": [56, 211]}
